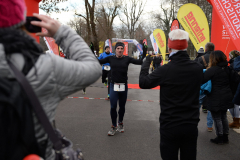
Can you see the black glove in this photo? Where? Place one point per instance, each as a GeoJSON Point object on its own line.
{"type": "Point", "coordinates": [145, 48]}
{"type": "Point", "coordinates": [149, 58]}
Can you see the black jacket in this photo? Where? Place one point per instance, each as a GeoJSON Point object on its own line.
{"type": "Point", "coordinates": [221, 95]}
{"type": "Point", "coordinates": [206, 56]}
{"type": "Point", "coordinates": [157, 60]}
{"type": "Point", "coordinates": [180, 82]}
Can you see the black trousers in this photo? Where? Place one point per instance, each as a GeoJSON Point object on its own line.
{"type": "Point", "coordinates": [220, 122]}
{"type": "Point", "coordinates": [182, 138]}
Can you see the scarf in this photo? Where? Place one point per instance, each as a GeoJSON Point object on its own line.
{"type": "Point", "coordinates": [18, 41]}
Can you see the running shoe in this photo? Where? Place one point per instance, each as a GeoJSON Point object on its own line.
{"type": "Point", "coordinates": [105, 83]}
{"type": "Point", "coordinates": [84, 92]}
{"type": "Point", "coordinates": [120, 128]}
{"type": "Point", "coordinates": [112, 131]}
{"type": "Point", "coordinates": [108, 96]}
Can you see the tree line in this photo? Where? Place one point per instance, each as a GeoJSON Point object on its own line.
{"type": "Point", "coordinates": [107, 19]}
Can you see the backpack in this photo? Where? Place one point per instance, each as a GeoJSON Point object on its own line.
{"type": "Point", "coordinates": [16, 120]}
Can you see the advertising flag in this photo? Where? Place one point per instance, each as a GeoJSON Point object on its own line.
{"type": "Point", "coordinates": [229, 13]}
{"type": "Point", "coordinates": [101, 47]}
{"type": "Point", "coordinates": [175, 24]}
{"type": "Point", "coordinates": [154, 44]}
{"type": "Point", "coordinates": [194, 21]}
{"type": "Point", "coordinates": [160, 38]}
{"type": "Point", "coordinates": [220, 36]}
{"type": "Point", "coordinates": [52, 46]}
{"type": "Point", "coordinates": [145, 41]}
{"type": "Point", "coordinates": [125, 49]}
{"type": "Point", "coordinates": [108, 43]}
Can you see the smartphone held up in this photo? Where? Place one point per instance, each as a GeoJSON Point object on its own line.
{"type": "Point", "coordinates": [31, 28]}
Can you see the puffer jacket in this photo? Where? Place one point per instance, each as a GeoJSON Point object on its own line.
{"type": "Point", "coordinates": [56, 77]}
{"type": "Point", "coordinates": [221, 95]}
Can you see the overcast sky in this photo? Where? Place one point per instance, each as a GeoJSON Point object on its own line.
{"type": "Point", "coordinates": [64, 17]}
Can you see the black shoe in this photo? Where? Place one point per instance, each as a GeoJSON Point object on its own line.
{"type": "Point", "coordinates": [225, 138]}
{"type": "Point", "coordinates": [217, 140]}
{"type": "Point", "coordinates": [204, 110]}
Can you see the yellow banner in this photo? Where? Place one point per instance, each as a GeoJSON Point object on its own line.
{"type": "Point", "coordinates": [101, 46]}
{"type": "Point", "coordinates": [160, 38]}
{"type": "Point", "coordinates": [194, 21]}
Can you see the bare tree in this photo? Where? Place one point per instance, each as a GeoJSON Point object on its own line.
{"type": "Point", "coordinates": [132, 10]}
{"type": "Point", "coordinates": [79, 25]}
{"type": "Point", "coordinates": [121, 32]}
{"type": "Point", "coordinates": [50, 6]}
{"type": "Point", "coordinates": [108, 11]}
{"type": "Point", "coordinates": [91, 23]}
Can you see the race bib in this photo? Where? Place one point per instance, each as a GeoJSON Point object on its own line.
{"type": "Point", "coordinates": [107, 68]}
{"type": "Point", "coordinates": [119, 87]}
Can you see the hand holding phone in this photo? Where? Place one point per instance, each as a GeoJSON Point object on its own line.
{"type": "Point", "coordinates": [48, 23]}
{"type": "Point", "coordinates": [31, 28]}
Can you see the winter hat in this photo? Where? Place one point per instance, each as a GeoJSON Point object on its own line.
{"type": "Point", "coordinates": [119, 44]}
{"type": "Point", "coordinates": [232, 54]}
{"type": "Point", "coordinates": [12, 13]}
{"type": "Point", "coordinates": [106, 47]}
{"type": "Point", "coordinates": [201, 51]}
{"type": "Point", "coordinates": [178, 39]}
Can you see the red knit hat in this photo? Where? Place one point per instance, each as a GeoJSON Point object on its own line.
{"type": "Point", "coordinates": [12, 13]}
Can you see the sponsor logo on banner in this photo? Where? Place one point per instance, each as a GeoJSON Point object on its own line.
{"type": "Point", "coordinates": [225, 34]}
{"type": "Point", "coordinates": [229, 13]}
{"type": "Point", "coordinates": [220, 35]}
{"type": "Point", "coordinates": [160, 38]}
{"type": "Point", "coordinates": [194, 21]}
{"type": "Point", "coordinates": [154, 43]}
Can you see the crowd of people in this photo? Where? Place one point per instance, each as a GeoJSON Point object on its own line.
{"type": "Point", "coordinates": [185, 85]}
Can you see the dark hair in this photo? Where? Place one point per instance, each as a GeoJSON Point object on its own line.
{"type": "Point", "coordinates": [216, 57]}
{"type": "Point", "coordinates": [106, 47]}
{"type": "Point", "coordinates": [119, 44]}
{"type": "Point", "coordinates": [209, 46]}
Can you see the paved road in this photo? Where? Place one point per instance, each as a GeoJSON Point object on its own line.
{"type": "Point", "coordinates": [87, 121]}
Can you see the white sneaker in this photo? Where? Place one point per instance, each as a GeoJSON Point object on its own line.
{"type": "Point", "coordinates": [120, 128]}
{"type": "Point", "coordinates": [112, 131]}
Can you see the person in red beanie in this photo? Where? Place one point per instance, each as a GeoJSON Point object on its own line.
{"type": "Point", "coordinates": [52, 78]}
{"type": "Point", "coordinates": [180, 82]}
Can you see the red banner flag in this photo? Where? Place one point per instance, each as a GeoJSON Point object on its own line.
{"type": "Point", "coordinates": [52, 46]}
{"type": "Point", "coordinates": [219, 35]}
{"type": "Point", "coordinates": [125, 49]}
{"type": "Point", "coordinates": [175, 24]}
{"type": "Point", "coordinates": [228, 11]}
{"type": "Point", "coordinates": [145, 41]}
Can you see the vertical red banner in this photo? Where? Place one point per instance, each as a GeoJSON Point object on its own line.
{"type": "Point", "coordinates": [228, 12]}
{"type": "Point", "coordinates": [125, 49]}
{"type": "Point", "coordinates": [219, 35]}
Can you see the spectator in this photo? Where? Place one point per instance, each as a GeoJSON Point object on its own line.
{"type": "Point", "coordinates": [221, 95]}
{"type": "Point", "coordinates": [179, 98]}
{"type": "Point", "coordinates": [234, 111]}
{"type": "Point", "coordinates": [52, 78]}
